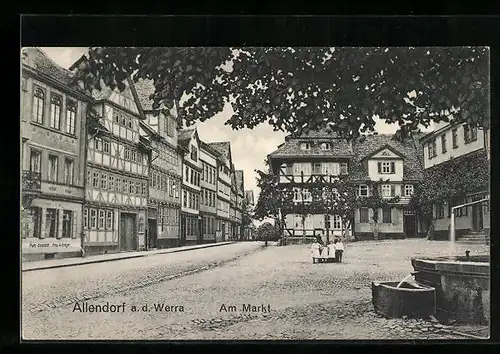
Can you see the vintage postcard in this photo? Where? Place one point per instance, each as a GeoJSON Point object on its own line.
{"type": "Point", "coordinates": [262, 193]}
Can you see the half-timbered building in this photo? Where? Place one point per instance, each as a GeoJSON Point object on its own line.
{"type": "Point", "coordinates": [320, 157]}
{"type": "Point", "coordinates": [208, 197]}
{"type": "Point", "coordinates": [317, 157]}
{"type": "Point", "coordinates": [223, 189]}
{"type": "Point", "coordinates": [233, 228]}
{"type": "Point", "coordinates": [190, 227]}
{"type": "Point", "coordinates": [165, 170]}
{"type": "Point", "coordinates": [53, 119]}
{"type": "Point", "coordinates": [117, 174]}
{"type": "Point", "coordinates": [240, 196]}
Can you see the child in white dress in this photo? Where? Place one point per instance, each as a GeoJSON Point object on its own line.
{"type": "Point", "coordinates": [315, 251]}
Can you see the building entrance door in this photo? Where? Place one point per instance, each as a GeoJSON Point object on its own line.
{"type": "Point", "coordinates": [477, 217]}
{"type": "Point", "coordinates": [152, 233]}
{"type": "Point", "coordinates": [410, 225]}
{"type": "Point", "coordinates": [128, 234]}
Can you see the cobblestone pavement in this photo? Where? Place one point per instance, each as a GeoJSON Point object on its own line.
{"type": "Point", "coordinates": [306, 300]}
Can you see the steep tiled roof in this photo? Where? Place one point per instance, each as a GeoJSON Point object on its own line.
{"type": "Point", "coordinates": [222, 147]}
{"type": "Point", "coordinates": [144, 89]}
{"type": "Point", "coordinates": [38, 60]}
{"type": "Point", "coordinates": [185, 136]}
{"type": "Point", "coordinates": [356, 151]}
{"type": "Point", "coordinates": [412, 167]}
{"type": "Point", "coordinates": [291, 148]}
{"type": "Point", "coordinates": [210, 149]}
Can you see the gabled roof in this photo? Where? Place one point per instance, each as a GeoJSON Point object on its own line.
{"type": "Point", "coordinates": [291, 147]}
{"type": "Point", "coordinates": [36, 58]}
{"type": "Point", "coordinates": [144, 89]}
{"type": "Point", "coordinates": [210, 149]}
{"type": "Point", "coordinates": [185, 136]}
{"type": "Point", "coordinates": [412, 166]}
{"type": "Point", "coordinates": [224, 148]}
{"type": "Point", "coordinates": [386, 146]}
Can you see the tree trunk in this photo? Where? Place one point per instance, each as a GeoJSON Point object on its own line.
{"type": "Point", "coordinates": [328, 230]}
{"type": "Point", "coordinates": [304, 230]}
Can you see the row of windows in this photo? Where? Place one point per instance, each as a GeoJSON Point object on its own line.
{"type": "Point", "coordinates": [208, 174]}
{"type": "Point", "coordinates": [122, 119]}
{"type": "Point", "coordinates": [386, 215]}
{"type": "Point", "coordinates": [55, 111]}
{"type": "Point", "coordinates": [324, 168]}
{"type": "Point", "coordinates": [98, 219]}
{"type": "Point", "coordinates": [129, 154]}
{"type": "Point", "coordinates": [162, 181]}
{"type": "Point", "coordinates": [208, 197]}
{"type": "Point", "coordinates": [121, 184]}
{"type": "Point", "coordinates": [167, 217]}
{"type": "Point", "coordinates": [192, 176]}
{"type": "Point", "coordinates": [470, 134]}
{"type": "Point", "coordinates": [439, 209]}
{"type": "Point", "coordinates": [34, 229]}
{"type": "Point", "coordinates": [337, 222]}
{"type": "Point", "coordinates": [191, 200]}
{"type": "Point", "coordinates": [53, 167]}
{"type": "Point", "coordinates": [192, 226]}
{"type": "Point", "coordinates": [208, 225]}
{"type": "Point", "coordinates": [322, 145]}
{"type": "Point", "coordinates": [167, 154]}
{"type": "Point", "coordinates": [385, 190]}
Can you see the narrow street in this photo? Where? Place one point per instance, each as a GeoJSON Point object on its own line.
{"type": "Point", "coordinates": [189, 289]}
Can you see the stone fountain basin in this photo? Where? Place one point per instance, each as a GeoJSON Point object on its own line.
{"type": "Point", "coordinates": [462, 286]}
{"type": "Point", "coordinates": [410, 299]}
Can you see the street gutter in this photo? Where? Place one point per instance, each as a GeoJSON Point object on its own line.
{"type": "Point", "coordinates": [125, 256]}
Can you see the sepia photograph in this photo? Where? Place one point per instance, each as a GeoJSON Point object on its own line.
{"type": "Point", "coordinates": [255, 193]}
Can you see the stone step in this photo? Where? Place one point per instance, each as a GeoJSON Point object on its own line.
{"type": "Point", "coordinates": [473, 236]}
{"type": "Point", "coordinates": [476, 233]}
{"type": "Point", "coordinates": [475, 241]}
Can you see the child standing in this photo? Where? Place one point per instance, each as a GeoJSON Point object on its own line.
{"type": "Point", "coordinates": [315, 251]}
{"type": "Point", "coordinates": [339, 250]}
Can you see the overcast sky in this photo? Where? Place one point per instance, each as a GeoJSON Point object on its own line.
{"type": "Point", "coordinates": [249, 147]}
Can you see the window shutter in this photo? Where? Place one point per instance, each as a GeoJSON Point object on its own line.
{"type": "Point", "coordinates": [393, 190]}
{"type": "Point", "coordinates": [393, 167]}
{"type": "Point", "coordinates": [379, 164]}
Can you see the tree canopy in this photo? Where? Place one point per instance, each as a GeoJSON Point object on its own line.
{"type": "Point", "coordinates": [299, 89]}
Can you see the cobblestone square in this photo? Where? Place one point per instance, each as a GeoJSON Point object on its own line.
{"type": "Point", "coordinates": [307, 301]}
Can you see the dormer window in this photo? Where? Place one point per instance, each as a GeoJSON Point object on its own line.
{"type": "Point", "coordinates": [326, 146]}
{"type": "Point", "coordinates": [305, 146]}
{"type": "Point", "coordinates": [386, 167]}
